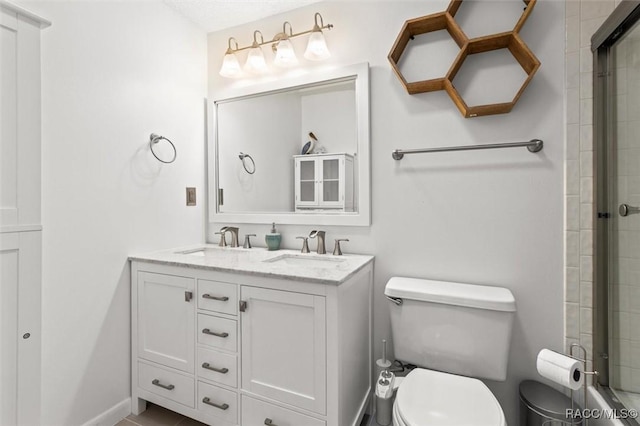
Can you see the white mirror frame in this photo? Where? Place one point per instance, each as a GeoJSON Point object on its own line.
{"type": "Point", "coordinates": [360, 218]}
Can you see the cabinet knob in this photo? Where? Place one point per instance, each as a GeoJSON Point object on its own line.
{"type": "Point", "coordinates": [269, 422]}
{"type": "Point", "coordinates": [243, 305]}
{"type": "Point", "coordinates": [188, 295]}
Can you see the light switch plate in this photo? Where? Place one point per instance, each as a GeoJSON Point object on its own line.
{"type": "Point", "coordinates": [191, 196]}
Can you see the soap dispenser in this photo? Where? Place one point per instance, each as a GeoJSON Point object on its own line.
{"type": "Point", "coordinates": [273, 238]}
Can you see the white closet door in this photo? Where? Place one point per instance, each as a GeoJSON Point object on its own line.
{"type": "Point", "coordinates": [8, 118]}
{"type": "Point", "coordinates": [9, 266]}
{"type": "Point", "coordinates": [20, 343]}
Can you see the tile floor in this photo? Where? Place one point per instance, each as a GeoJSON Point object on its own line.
{"type": "Point", "coordinates": [158, 416]}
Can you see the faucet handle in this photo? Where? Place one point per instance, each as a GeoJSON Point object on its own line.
{"type": "Point", "coordinates": [336, 250]}
{"type": "Point", "coordinates": [223, 241]}
{"type": "Point", "coordinates": [247, 240]}
{"type": "Point", "coordinates": [305, 244]}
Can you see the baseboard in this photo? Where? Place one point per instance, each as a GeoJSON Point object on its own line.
{"type": "Point", "coordinates": [113, 415]}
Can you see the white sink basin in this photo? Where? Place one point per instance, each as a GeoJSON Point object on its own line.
{"type": "Point", "coordinates": [198, 252]}
{"type": "Point", "coordinates": [320, 261]}
{"type": "Point", "coordinates": [206, 251]}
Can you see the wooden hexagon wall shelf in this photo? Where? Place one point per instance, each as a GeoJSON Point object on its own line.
{"type": "Point", "coordinates": [446, 21]}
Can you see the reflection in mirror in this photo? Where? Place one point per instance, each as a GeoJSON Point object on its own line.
{"type": "Point", "coordinates": [274, 129]}
{"type": "Point", "coordinates": [294, 151]}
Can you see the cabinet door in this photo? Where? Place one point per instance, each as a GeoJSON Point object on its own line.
{"type": "Point", "coordinates": [307, 181]}
{"type": "Point", "coordinates": [284, 347]}
{"type": "Point", "coordinates": [166, 320]}
{"type": "Point", "coordinates": [332, 182]}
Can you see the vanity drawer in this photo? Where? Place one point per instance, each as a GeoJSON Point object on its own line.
{"type": "Point", "coordinates": [218, 332]}
{"type": "Point", "coordinates": [218, 402]}
{"type": "Point", "coordinates": [255, 412]}
{"type": "Point", "coordinates": [218, 366]}
{"type": "Point", "coordinates": [218, 297]}
{"type": "Point", "coordinates": [168, 384]}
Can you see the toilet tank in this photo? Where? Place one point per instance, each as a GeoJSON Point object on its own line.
{"type": "Point", "coordinates": [452, 327]}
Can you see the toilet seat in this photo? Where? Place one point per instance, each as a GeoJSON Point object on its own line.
{"type": "Point", "coordinates": [428, 398]}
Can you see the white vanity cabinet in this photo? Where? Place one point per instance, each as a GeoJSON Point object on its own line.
{"type": "Point", "coordinates": [264, 349]}
{"type": "Point", "coordinates": [324, 182]}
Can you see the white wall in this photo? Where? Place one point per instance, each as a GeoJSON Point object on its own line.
{"type": "Point", "coordinates": [331, 116]}
{"type": "Point", "coordinates": [113, 72]}
{"type": "Point", "coordinates": [491, 217]}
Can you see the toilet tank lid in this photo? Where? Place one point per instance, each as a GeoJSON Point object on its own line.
{"type": "Point", "coordinates": [451, 293]}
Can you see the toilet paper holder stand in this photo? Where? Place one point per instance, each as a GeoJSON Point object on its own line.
{"type": "Point", "coordinates": [579, 348]}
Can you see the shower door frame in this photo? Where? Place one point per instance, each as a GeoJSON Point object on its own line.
{"type": "Point", "coordinates": [623, 18]}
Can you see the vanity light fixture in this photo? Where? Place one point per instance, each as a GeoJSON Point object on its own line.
{"type": "Point", "coordinates": [256, 63]}
{"type": "Point", "coordinates": [285, 55]}
{"type": "Point", "coordinates": [317, 49]}
{"type": "Point", "coordinates": [230, 65]}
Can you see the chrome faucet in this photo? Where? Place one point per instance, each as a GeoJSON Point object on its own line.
{"type": "Point", "coordinates": [234, 234]}
{"type": "Point", "coordinates": [320, 235]}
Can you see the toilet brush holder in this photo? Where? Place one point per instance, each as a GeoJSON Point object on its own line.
{"type": "Point", "coordinates": [384, 409]}
{"type": "Point", "coordinates": [384, 398]}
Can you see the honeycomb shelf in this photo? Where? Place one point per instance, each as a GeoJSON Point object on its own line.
{"type": "Point", "coordinates": [446, 21]}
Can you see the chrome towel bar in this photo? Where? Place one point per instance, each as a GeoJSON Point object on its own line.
{"type": "Point", "coordinates": [534, 145]}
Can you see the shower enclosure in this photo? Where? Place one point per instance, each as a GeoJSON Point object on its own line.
{"type": "Point", "coordinates": [616, 350]}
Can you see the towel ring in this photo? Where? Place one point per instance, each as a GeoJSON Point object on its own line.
{"type": "Point", "coordinates": [154, 139]}
{"type": "Point", "coordinates": [242, 158]}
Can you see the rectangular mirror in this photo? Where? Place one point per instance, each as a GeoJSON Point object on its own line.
{"type": "Point", "coordinates": [292, 151]}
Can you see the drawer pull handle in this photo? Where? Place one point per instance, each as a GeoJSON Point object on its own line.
{"type": "Point", "coordinates": [167, 387]}
{"type": "Point", "coordinates": [269, 422]}
{"type": "Point", "coordinates": [217, 370]}
{"type": "Point", "coordinates": [220, 298]}
{"type": "Point", "coordinates": [213, 333]}
{"type": "Point", "coordinates": [207, 401]}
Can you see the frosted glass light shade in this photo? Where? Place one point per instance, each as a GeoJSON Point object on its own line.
{"type": "Point", "coordinates": [255, 61]}
{"type": "Point", "coordinates": [230, 66]}
{"type": "Point", "coordinates": [317, 49]}
{"type": "Point", "coordinates": [285, 55]}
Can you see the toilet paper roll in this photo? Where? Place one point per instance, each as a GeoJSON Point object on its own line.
{"type": "Point", "coordinates": [560, 369]}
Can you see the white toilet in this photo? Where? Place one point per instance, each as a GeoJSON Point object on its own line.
{"type": "Point", "coordinates": [453, 330]}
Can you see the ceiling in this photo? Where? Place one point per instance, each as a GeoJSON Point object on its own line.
{"type": "Point", "coordinates": [215, 15]}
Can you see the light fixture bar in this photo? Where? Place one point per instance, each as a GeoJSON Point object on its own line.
{"type": "Point", "coordinates": [276, 39]}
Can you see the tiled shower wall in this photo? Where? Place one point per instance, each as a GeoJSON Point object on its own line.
{"type": "Point", "coordinates": [583, 18]}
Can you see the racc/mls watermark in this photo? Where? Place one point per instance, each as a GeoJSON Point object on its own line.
{"type": "Point", "coordinates": [596, 413]}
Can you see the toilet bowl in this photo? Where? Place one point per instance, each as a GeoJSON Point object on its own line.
{"type": "Point", "coordinates": [432, 398]}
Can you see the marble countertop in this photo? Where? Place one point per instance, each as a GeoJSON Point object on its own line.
{"type": "Point", "coordinates": [286, 264]}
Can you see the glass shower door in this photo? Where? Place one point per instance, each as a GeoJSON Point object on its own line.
{"type": "Point", "coordinates": [623, 173]}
